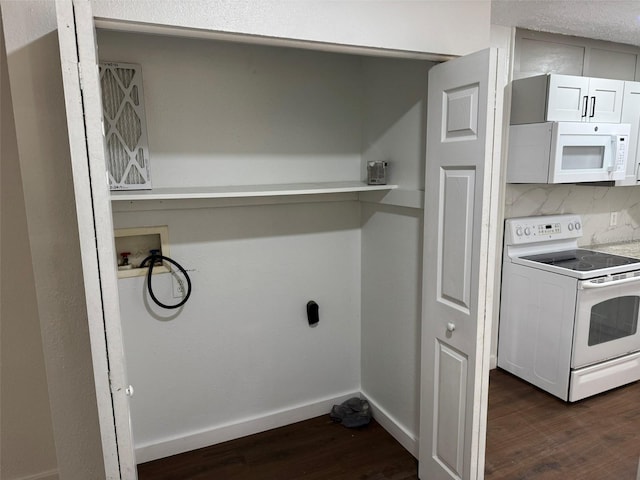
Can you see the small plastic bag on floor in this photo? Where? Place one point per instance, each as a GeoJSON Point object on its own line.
{"type": "Point", "coordinates": [352, 413]}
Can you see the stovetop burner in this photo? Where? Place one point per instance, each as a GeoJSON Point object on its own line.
{"type": "Point", "coordinates": [581, 260]}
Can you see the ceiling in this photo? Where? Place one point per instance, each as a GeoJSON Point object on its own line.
{"type": "Point", "coordinates": [612, 20]}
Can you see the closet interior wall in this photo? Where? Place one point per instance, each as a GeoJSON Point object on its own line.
{"type": "Point", "coordinates": [395, 127]}
{"type": "Point", "coordinates": [240, 356]}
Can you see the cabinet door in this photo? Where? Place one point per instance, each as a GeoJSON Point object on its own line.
{"type": "Point", "coordinates": [605, 100]}
{"type": "Point", "coordinates": [631, 114]}
{"type": "Point", "coordinates": [567, 98]}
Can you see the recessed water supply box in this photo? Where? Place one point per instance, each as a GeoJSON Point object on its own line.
{"type": "Point", "coordinates": [133, 245]}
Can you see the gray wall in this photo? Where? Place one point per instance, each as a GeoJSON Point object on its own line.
{"type": "Point", "coordinates": [33, 62]}
{"type": "Point", "coordinates": [26, 435]}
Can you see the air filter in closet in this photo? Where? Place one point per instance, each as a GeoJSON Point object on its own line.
{"type": "Point", "coordinates": [126, 146]}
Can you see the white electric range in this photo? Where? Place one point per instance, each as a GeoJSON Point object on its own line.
{"type": "Point", "coordinates": [568, 316]}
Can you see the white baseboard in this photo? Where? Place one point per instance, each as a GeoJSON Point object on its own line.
{"type": "Point", "coordinates": [48, 475]}
{"type": "Point", "coordinates": [493, 361]}
{"type": "Point", "coordinates": [230, 431]}
{"type": "Point", "coordinates": [406, 438]}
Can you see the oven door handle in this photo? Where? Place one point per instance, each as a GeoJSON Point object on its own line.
{"type": "Point", "coordinates": [588, 284]}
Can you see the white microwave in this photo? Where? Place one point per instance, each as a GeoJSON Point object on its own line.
{"type": "Point", "coordinates": [567, 152]}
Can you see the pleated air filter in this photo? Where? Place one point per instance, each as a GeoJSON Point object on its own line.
{"type": "Point", "coordinates": [126, 146]}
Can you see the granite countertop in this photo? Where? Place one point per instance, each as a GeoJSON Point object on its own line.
{"type": "Point", "coordinates": [630, 248]}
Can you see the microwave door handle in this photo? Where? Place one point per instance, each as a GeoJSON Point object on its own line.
{"type": "Point", "coordinates": [585, 105]}
{"type": "Point", "coordinates": [612, 160]}
{"type": "Point", "coordinates": [586, 285]}
{"type": "Point", "coordinates": [593, 107]}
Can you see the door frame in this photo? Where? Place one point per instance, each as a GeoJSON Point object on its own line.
{"type": "Point", "coordinates": [78, 56]}
{"type": "Point", "coordinates": [503, 39]}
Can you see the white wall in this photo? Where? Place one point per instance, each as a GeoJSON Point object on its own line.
{"type": "Point", "coordinates": [394, 115]}
{"type": "Point", "coordinates": [241, 348]}
{"type": "Point", "coordinates": [391, 317]}
{"type": "Point", "coordinates": [33, 62]}
{"type": "Point", "coordinates": [441, 27]}
{"type": "Point", "coordinates": [220, 113]}
{"type": "Point", "coordinates": [394, 130]}
{"type": "Point", "coordinates": [26, 435]}
{"type": "Point", "coordinates": [223, 113]}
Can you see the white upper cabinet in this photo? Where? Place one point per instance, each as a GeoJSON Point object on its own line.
{"type": "Point", "coordinates": [631, 115]}
{"type": "Point", "coordinates": [566, 98]}
{"type": "Point", "coordinates": [605, 100]}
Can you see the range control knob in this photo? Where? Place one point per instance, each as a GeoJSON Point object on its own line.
{"type": "Point", "coordinates": [519, 231]}
{"type": "Point", "coordinates": [527, 231]}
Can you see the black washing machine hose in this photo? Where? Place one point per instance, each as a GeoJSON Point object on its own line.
{"type": "Point", "coordinates": [152, 260]}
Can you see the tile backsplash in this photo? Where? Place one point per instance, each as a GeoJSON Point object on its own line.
{"type": "Point", "coordinates": [594, 203]}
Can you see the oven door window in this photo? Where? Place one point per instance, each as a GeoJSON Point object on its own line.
{"type": "Point", "coordinates": [613, 319]}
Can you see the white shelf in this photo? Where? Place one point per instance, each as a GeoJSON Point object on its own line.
{"type": "Point", "coordinates": [242, 191]}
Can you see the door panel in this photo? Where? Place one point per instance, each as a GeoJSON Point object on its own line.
{"type": "Point", "coordinates": [460, 113]}
{"type": "Point", "coordinates": [456, 234]}
{"type": "Point", "coordinates": [451, 372]}
{"type": "Point", "coordinates": [454, 244]}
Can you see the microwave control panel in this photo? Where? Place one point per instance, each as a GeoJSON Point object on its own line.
{"type": "Point", "coordinates": [621, 152]}
{"type": "Point", "coordinates": [543, 228]}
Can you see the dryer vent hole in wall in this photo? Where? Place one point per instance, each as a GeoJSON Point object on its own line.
{"type": "Point", "coordinates": [313, 315]}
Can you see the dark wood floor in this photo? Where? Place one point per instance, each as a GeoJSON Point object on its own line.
{"type": "Point", "coordinates": [316, 449]}
{"type": "Point", "coordinates": [531, 436]}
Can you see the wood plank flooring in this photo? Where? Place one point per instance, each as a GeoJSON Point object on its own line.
{"type": "Point", "coordinates": [531, 436]}
{"type": "Point", "coordinates": [316, 449]}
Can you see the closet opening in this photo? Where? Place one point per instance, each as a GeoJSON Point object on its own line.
{"type": "Point", "coordinates": [258, 163]}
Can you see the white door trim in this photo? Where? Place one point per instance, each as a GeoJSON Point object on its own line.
{"type": "Point", "coordinates": [93, 208]}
